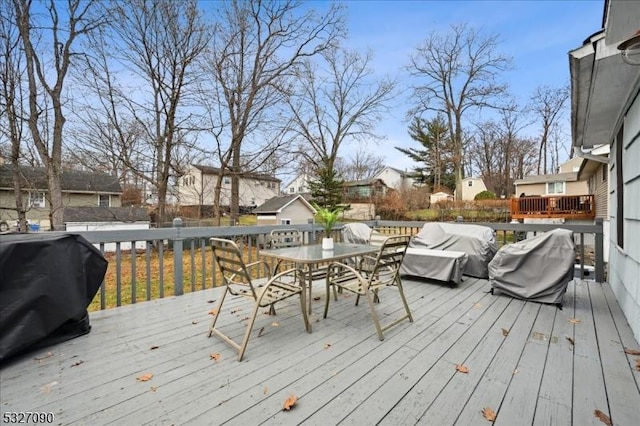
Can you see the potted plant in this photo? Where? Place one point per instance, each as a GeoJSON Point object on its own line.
{"type": "Point", "coordinates": [328, 217]}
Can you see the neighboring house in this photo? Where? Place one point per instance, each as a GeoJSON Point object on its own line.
{"type": "Point", "coordinates": [395, 178]}
{"type": "Point", "coordinates": [285, 210]}
{"type": "Point", "coordinates": [554, 184]}
{"type": "Point", "coordinates": [363, 190]}
{"type": "Point", "coordinates": [107, 219]}
{"type": "Point", "coordinates": [197, 186]}
{"type": "Point", "coordinates": [298, 185]}
{"type": "Point", "coordinates": [79, 189]}
{"type": "Point", "coordinates": [605, 109]}
{"type": "Point", "coordinates": [440, 196]}
{"type": "Point", "coordinates": [471, 187]}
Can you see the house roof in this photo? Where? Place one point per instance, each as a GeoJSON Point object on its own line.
{"type": "Point", "coordinates": [277, 204]}
{"type": "Point", "coordinates": [601, 83]}
{"type": "Point", "coordinates": [208, 170]}
{"type": "Point", "coordinates": [105, 214]}
{"type": "Point", "coordinates": [71, 180]}
{"type": "Point", "coordinates": [557, 177]}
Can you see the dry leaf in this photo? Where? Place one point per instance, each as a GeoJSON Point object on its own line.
{"type": "Point", "coordinates": [47, 388]}
{"type": "Point", "coordinates": [505, 332]}
{"type": "Point", "coordinates": [289, 403]}
{"type": "Point", "coordinates": [275, 324]}
{"type": "Point", "coordinates": [77, 363]}
{"type": "Point", "coordinates": [154, 388]}
{"type": "Point", "coordinates": [638, 364]}
{"type": "Point", "coordinates": [234, 310]}
{"type": "Point", "coordinates": [215, 356]}
{"type": "Point", "coordinates": [327, 345]}
{"type": "Point", "coordinates": [317, 298]}
{"type": "Point", "coordinates": [603, 417]}
{"type": "Point", "coordinates": [571, 341]}
{"type": "Point", "coordinates": [213, 312]}
{"type": "Point", "coordinates": [574, 321]}
{"type": "Point", "coordinates": [47, 355]}
{"type": "Point", "coordinates": [194, 322]}
{"type": "Point", "coordinates": [211, 301]}
{"type": "Point", "coordinates": [145, 377]}
{"type": "Point", "coordinates": [265, 390]}
{"type": "Point", "coordinates": [154, 347]}
{"type": "Point", "coordinates": [462, 368]}
{"type": "Point", "coordinates": [477, 306]}
{"type": "Point", "coordinates": [489, 414]}
{"type": "Point", "coordinates": [260, 332]}
{"type": "Point", "coordinates": [631, 351]}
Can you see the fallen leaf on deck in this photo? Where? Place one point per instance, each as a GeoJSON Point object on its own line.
{"type": "Point", "coordinates": [327, 345]}
{"type": "Point", "coordinates": [233, 311]}
{"type": "Point", "coordinates": [154, 347]}
{"type": "Point", "coordinates": [77, 363]}
{"type": "Point", "coordinates": [505, 332]}
{"type": "Point", "coordinates": [211, 301]}
{"type": "Point", "coordinates": [194, 322]}
{"type": "Point", "coordinates": [462, 368]}
{"type": "Point", "coordinates": [260, 332]}
{"type": "Point", "coordinates": [47, 355]}
{"type": "Point", "coordinates": [215, 356]}
{"type": "Point", "coordinates": [289, 403]}
{"type": "Point", "coordinates": [638, 364]}
{"type": "Point", "coordinates": [317, 298]}
{"type": "Point", "coordinates": [265, 390]}
{"type": "Point", "coordinates": [571, 341]}
{"type": "Point", "coordinates": [631, 351]}
{"type": "Point", "coordinates": [275, 324]}
{"type": "Point", "coordinates": [145, 377]}
{"type": "Point", "coordinates": [154, 388]}
{"type": "Point", "coordinates": [603, 417]}
{"type": "Point", "coordinates": [489, 414]}
{"type": "Point", "coordinates": [213, 312]}
{"type": "Point", "coordinates": [47, 388]}
{"type": "Point", "coordinates": [477, 306]}
{"type": "Point", "coordinates": [574, 321]}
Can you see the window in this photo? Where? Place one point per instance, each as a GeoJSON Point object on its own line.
{"type": "Point", "coordinates": [555, 188]}
{"type": "Point", "coordinates": [605, 172]}
{"type": "Point", "coordinates": [300, 189]}
{"type": "Point", "coordinates": [285, 221]}
{"type": "Point", "coordinates": [227, 181]}
{"type": "Point", "coordinates": [619, 190]}
{"type": "Point", "coordinates": [104, 200]}
{"type": "Point", "coordinates": [36, 199]}
{"type": "Point", "coordinates": [292, 189]}
{"type": "Point", "coordinates": [470, 183]}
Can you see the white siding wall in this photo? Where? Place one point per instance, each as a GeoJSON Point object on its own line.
{"type": "Point", "coordinates": [110, 226]}
{"type": "Point", "coordinates": [624, 265]}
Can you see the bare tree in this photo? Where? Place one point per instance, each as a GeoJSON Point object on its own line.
{"type": "Point", "coordinates": [363, 164]}
{"type": "Point", "coordinates": [11, 102]}
{"type": "Point", "coordinates": [338, 105]}
{"type": "Point", "coordinates": [547, 104]}
{"type": "Point", "coordinates": [46, 80]}
{"type": "Point", "coordinates": [158, 42]}
{"type": "Point", "coordinates": [457, 74]}
{"type": "Point", "coordinates": [257, 47]}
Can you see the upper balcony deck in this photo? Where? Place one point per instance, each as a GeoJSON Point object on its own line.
{"type": "Point", "coordinates": [560, 206]}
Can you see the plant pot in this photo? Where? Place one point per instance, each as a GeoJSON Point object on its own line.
{"type": "Point", "coordinates": [327, 243]}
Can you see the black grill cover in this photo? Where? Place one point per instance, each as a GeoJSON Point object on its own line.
{"type": "Point", "coordinates": [47, 282]}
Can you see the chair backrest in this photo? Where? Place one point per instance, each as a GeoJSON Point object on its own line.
{"type": "Point", "coordinates": [389, 259]}
{"type": "Point", "coordinates": [235, 275]}
{"type": "Point", "coordinates": [285, 237]}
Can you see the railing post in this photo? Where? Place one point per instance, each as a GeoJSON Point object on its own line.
{"type": "Point", "coordinates": [177, 258]}
{"type": "Point", "coordinates": [599, 251]}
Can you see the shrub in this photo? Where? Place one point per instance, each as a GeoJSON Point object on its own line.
{"type": "Point", "coordinates": [485, 195]}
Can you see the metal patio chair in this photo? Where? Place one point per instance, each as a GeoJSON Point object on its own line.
{"type": "Point", "coordinates": [238, 281]}
{"type": "Point", "coordinates": [372, 275]}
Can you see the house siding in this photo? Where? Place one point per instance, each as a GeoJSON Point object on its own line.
{"type": "Point", "coordinates": [540, 189]}
{"type": "Point", "coordinates": [624, 263]}
{"type": "Point", "coordinates": [297, 212]}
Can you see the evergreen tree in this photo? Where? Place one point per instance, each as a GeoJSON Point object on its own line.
{"type": "Point", "coordinates": [327, 188]}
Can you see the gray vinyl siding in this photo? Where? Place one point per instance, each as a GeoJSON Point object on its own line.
{"type": "Point", "coordinates": [297, 212]}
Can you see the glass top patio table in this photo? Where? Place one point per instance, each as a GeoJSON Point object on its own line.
{"type": "Point", "coordinates": [313, 254]}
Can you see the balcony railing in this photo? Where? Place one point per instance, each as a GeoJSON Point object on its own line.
{"type": "Point", "coordinates": [560, 206]}
{"type": "Point", "coordinates": [178, 259]}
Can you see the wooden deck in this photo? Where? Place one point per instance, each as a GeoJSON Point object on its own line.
{"type": "Point", "coordinates": [530, 363]}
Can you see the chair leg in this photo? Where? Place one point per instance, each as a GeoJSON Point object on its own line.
{"type": "Point", "coordinates": [247, 333]}
{"type": "Point", "coordinates": [327, 298]}
{"type": "Point", "coordinates": [374, 315]}
{"type": "Point", "coordinates": [404, 299]}
{"type": "Point", "coordinates": [215, 316]}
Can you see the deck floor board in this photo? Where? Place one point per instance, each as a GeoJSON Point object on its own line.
{"type": "Point", "coordinates": [530, 363]}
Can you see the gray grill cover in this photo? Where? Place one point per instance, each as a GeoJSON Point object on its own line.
{"type": "Point", "coordinates": [357, 233]}
{"type": "Point", "coordinates": [537, 268]}
{"type": "Point", "coordinates": [479, 242]}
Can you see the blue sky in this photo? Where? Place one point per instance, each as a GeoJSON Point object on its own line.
{"type": "Point", "coordinates": [537, 34]}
